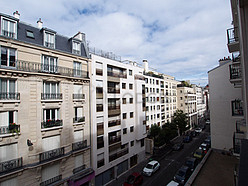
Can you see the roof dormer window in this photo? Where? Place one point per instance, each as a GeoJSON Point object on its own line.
{"type": "Point", "coordinates": [49, 39]}
{"type": "Point", "coordinates": [8, 28]}
{"type": "Point", "coordinates": [76, 47]}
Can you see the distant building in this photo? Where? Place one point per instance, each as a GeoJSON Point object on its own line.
{"type": "Point", "coordinates": [44, 113]}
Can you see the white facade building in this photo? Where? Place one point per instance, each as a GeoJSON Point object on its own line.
{"type": "Point", "coordinates": [117, 117]}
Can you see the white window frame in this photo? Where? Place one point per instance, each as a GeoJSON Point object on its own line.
{"type": "Point", "coordinates": [76, 47]}
{"type": "Point", "coordinates": [7, 85]}
{"type": "Point", "coordinates": [51, 67]}
{"type": "Point", "coordinates": [8, 56]}
{"type": "Point", "coordinates": [8, 29]}
{"type": "Point", "coordinates": [57, 114]}
{"type": "Point", "coordinates": [50, 90]}
{"type": "Point", "coordinates": [77, 68]}
{"type": "Point", "coordinates": [49, 39]}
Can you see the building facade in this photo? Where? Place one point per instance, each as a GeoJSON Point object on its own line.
{"type": "Point", "coordinates": [118, 116]}
{"type": "Point", "coordinates": [44, 112]}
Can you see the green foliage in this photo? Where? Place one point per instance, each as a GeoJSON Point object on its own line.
{"type": "Point", "coordinates": [186, 84]}
{"type": "Point", "coordinates": [154, 131]}
{"type": "Point", "coordinates": [180, 121]}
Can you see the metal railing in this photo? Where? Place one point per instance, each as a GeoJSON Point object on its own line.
{"type": "Point", "coordinates": [114, 139]}
{"type": "Point", "coordinates": [102, 53]}
{"type": "Point", "coordinates": [12, 128]}
{"type": "Point", "coordinates": [114, 123]}
{"type": "Point", "coordinates": [49, 45]}
{"type": "Point", "coordinates": [10, 165]}
{"type": "Point", "coordinates": [47, 96]}
{"type": "Point", "coordinates": [235, 71]}
{"type": "Point", "coordinates": [78, 96]}
{"type": "Point", "coordinates": [8, 33]}
{"type": "Point", "coordinates": [113, 90]}
{"type": "Point", "coordinates": [52, 154]}
{"type": "Point", "coordinates": [240, 126]}
{"type": "Point", "coordinates": [51, 123]}
{"type": "Point", "coordinates": [79, 145]}
{"type": "Point", "coordinates": [118, 154]}
{"type": "Point", "coordinates": [45, 68]}
{"type": "Point", "coordinates": [9, 96]}
{"type": "Point", "coordinates": [52, 180]}
{"type": "Point", "coordinates": [78, 169]}
{"type": "Point", "coordinates": [116, 74]}
{"type": "Point", "coordinates": [79, 119]}
{"type": "Point", "coordinates": [232, 35]}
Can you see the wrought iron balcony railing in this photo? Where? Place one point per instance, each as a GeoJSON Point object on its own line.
{"type": "Point", "coordinates": [10, 165]}
{"type": "Point", "coordinates": [118, 154]}
{"type": "Point", "coordinates": [12, 128]}
{"type": "Point", "coordinates": [51, 123]}
{"type": "Point", "coordinates": [235, 71]}
{"type": "Point", "coordinates": [79, 119]}
{"type": "Point", "coordinates": [8, 33]}
{"type": "Point", "coordinates": [79, 145]}
{"type": "Point", "coordinates": [114, 123]}
{"type": "Point", "coordinates": [9, 96]}
{"type": "Point", "coordinates": [52, 180]}
{"type": "Point", "coordinates": [113, 90]}
{"type": "Point", "coordinates": [116, 74]}
{"type": "Point", "coordinates": [47, 96]}
{"type": "Point", "coordinates": [44, 68]}
{"type": "Point", "coordinates": [114, 139]}
{"type": "Point", "coordinates": [232, 35]}
{"type": "Point", "coordinates": [78, 96]}
{"type": "Point", "coordinates": [52, 154]}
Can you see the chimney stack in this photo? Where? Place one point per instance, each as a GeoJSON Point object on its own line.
{"type": "Point", "coordinates": [145, 65]}
{"type": "Point", "coordinates": [39, 23]}
{"type": "Point", "coordinates": [16, 15]}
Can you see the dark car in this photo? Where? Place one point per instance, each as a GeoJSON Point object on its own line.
{"type": "Point", "coordinates": [193, 133]}
{"type": "Point", "coordinates": [134, 179]}
{"type": "Point", "coordinates": [187, 139]}
{"type": "Point", "coordinates": [191, 163]}
{"type": "Point", "coordinates": [208, 141]}
{"type": "Point", "coordinates": [182, 175]}
{"type": "Point", "coordinates": [178, 146]}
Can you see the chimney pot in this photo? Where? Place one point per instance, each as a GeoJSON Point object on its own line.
{"type": "Point", "coordinates": [16, 14]}
{"type": "Point", "coordinates": [39, 23]}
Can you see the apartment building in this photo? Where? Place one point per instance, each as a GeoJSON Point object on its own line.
{"type": "Point", "coordinates": [118, 116]}
{"type": "Point", "coordinates": [161, 97]}
{"type": "Point", "coordinates": [186, 101]}
{"type": "Point", "coordinates": [44, 106]}
{"type": "Point", "coordinates": [200, 102]}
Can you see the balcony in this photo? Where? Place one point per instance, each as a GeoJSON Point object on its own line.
{"type": "Point", "coordinates": [79, 173]}
{"type": "Point", "coordinates": [233, 39]}
{"type": "Point", "coordinates": [237, 108]}
{"type": "Point", "coordinates": [49, 44]}
{"type": "Point", "coordinates": [51, 123]}
{"type": "Point", "coordinates": [49, 96]}
{"type": "Point", "coordinates": [9, 96]}
{"type": "Point", "coordinates": [114, 110]}
{"type": "Point", "coordinates": [114, 123]}
{"type": "Point", "coordinates": [99, 72]}
{"type": "Point", "coordinates": [79, 119]}
{"type": "Point", "coordinates": [12, 128]}
{"type": "Point", "coordinates": [117, 74]}
{"type": "Point", "coordinates": [79, 145]}
{"type": "Point", "coordinates": [8, 33]}
{"type": "Point", "coordinates": [118, 154]}
{"type": "Point", "coordinates": [10, 165]}
{"type": "Point", "coordinates": [78, 96]}
{"type": "Point", "coordinates": [114, 139]}
{"type": "Point", "coordinates": [52, 154]}
{"type": "Point", "coordinates": [113, 90]}
{"type": "Point", "coordinates": [235, 73]}
{"type": "Point", "coordinates": [38, 67]}
{"type": "Point", "coordinates": [241, 126]}
{"type": "Point", "coordinates": [52, 180]}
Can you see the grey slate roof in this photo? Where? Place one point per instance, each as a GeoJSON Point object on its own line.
{"type": "Point", "coordinates": [62, 43]}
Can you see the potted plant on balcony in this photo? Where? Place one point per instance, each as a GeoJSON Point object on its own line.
{"type": "Point", "coordinates": [13, 128]}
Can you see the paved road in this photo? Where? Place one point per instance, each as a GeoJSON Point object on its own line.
{"type": "Point", "coordinates": [170, 162]}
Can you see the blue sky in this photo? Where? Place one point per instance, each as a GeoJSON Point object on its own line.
{"type": "Point", "coordinates": [181, 38]}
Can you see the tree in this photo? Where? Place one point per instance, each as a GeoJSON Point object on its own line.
{"type": "Point", "coordinates": [154, 131]}
{"type": "Point", "coordinates": [181, 121]}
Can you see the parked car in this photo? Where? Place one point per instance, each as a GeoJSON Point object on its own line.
{"type": "Point", "coordinates": [199, 154]}
{"type": "Point", "coordinates": [172, 183]}
{"type": "Point", "coordinates": [202, 126]}
{"type": "Point", "coordinates": [191, 163]}
{"type": "Point", "coordinates": [182, 175]}
{"type": "Point", "coordinates": [178, 146]}
{"type": "Point", "coordinates": [193, 133]}
{"type": "Point", "coordinates": [208, 141]}
{"type": "Point", "coordinates": [187, 139]}
{"type": "Point", "coordinates": [208, 122]}
{"type": "Point", "coordinates": [134, 179]}
{"type": "Point", "coordinates": [151, 168]}
{"type": "Point", "coordinates": [198, 130]}
{"type": "Point", "coordinates": [204, 147]}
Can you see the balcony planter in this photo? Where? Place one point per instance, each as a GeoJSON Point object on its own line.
{"type": "Point", "coordinates": [14, 128]}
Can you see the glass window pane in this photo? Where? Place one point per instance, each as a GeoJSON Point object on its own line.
{"type": "Point", "coordinates": [12, 57]}
{"type": "Point", "coordinates": [3, 56]}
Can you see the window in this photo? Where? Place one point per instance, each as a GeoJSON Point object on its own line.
{"type": "Point", "coordinates": [158, 115]}
{"type": "Point", "coordinates": [49, 39]}
{"type": "Point", "coordinates": [78, 115]}
{"type": "Point", "coordinates": [49, 64]}
{"type": "Point", "coordinates": [157, 90]}
{"type": "Point", "coordinates": [147, 90]}
{"type": "Point", "coordinates": [30, 34]}
{"type": "Point", "coordinates": [77, 66]}
{"type": "Point", "coordinates": [146, 80]}
{"type": "Point", "coordinates": [151, 117]}
{"type": "Point", "coordinates": [153, 81]}
{"type": "Point", "coordinates": [142, 142]}
{"type": "Point", "coordinates": [51, 91]}
{"type": "Point", "coordinates": [151, 108]}
{"type": "Point", "coordinates": [157, 82]}
{"type": "Point", "coordinates": [7, 118]}
{"type": "Point", "coordinates": [158, 107]}
{"type": "Point", "coordinates": [100, 142]}
{"type": "Point", "coordinates": [130, 72]}
{"type": "Point", "coordinates": [131, 86]}
{"type": "Point", "coordinates": [7, 89]}
{"type": "Point", "coordinates": [181, 98]}
{"type": "Point", "coordinates": [131, 129]}
{"type": "Point", "coordinates": [8, 57]}
{"type": "Point", "coordinates": [132, 143]}
{"type": "Point", "coordinates": [76, 47]}
{"type": "Point", "coordinates": [147, 108]}
{"type": "Point", "coordinates": [124, 115]}
{"type": "Point", "coordinates": [125, 131]}
{"type": "Point", "coordinates": [100, 160]}
{"type": "Point", "coordinates": [100, 128]}
{"type": "Point", "coordinates": [131, 114]}
{"type": "Point", "coordinates": [123, 85]}
{"type": "Point", "coordinates": [131, 100]}
{"type": "Point", "coordinates": [157, 98]}
{"type": "Point", "coordinates": [9, 28]}
{"type": "Point", "coordinates": [99, 107]}
{"type": "Point", "coordinates": [124, 100]}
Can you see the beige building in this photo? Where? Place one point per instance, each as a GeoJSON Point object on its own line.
{"type": "Point", "coordinates": [44, 106]}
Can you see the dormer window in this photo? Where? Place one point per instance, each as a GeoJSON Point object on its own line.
{"type": "Point", "coordinates": [8, 28]}
{"type": "Point", "coordinates": [49, 40]}
{"type": "Point", "coordinates": [76, 47]}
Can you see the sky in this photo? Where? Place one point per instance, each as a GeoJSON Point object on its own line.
{"type": "Point", "coordinates": [184, 39]}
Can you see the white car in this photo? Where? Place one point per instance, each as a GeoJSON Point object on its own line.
{"type": "Point", "coordinates": [198, 130]}
{"type": "Point", "coordinates": [151, 168]}
{"type": "Point", "coordinates": [172, 183]}
{"type": "Point", "coordinates": [207, 122]}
